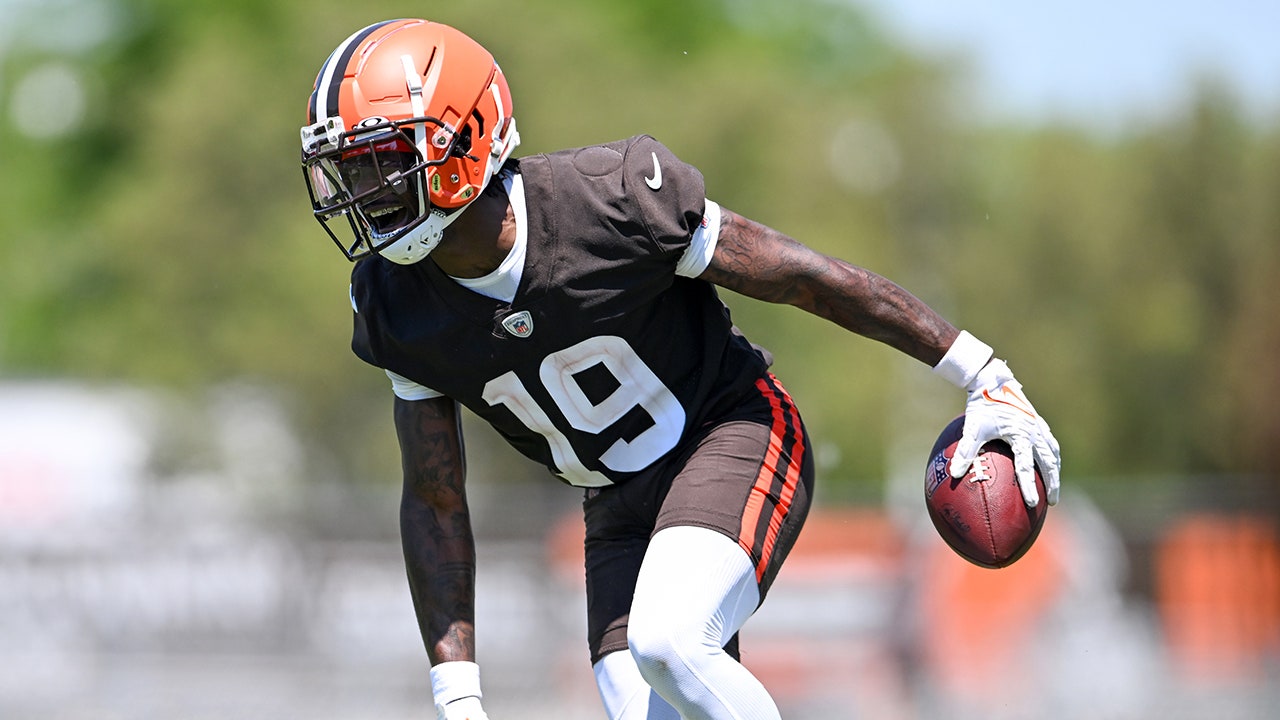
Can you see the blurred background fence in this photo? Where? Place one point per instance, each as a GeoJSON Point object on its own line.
{"type": "Point", "coordinates": [198, 481]}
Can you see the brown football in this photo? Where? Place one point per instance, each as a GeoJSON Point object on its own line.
{"type": "Point", "coordinates": [982, 515]}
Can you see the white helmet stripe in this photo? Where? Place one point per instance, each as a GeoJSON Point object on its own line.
{"type": "Point", "coordinates": [419, 109]}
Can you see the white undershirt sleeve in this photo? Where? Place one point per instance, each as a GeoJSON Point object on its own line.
{"type": "Point", "coordinates": [406, 389]}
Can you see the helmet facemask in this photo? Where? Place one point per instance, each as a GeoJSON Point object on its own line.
{"type": "Point", "coordinates": [372, 180]}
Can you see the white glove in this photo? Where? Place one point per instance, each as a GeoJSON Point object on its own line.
{"type": "Point", "coordinates": [998, 409]}
{"type": "Point", "coordinates": [455, 687]}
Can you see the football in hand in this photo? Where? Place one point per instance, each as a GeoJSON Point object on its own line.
{"type": "Point", "coordinates": [982, 515]}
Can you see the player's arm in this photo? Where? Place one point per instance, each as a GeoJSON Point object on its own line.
{"type": "Point", "coordinates": [439, 549]}
{"type": "Point", "coordinates": [760, 262]}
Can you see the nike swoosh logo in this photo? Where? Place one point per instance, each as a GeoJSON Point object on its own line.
{"type": "Point", "coordinates": [655, 182]}
{"type": "Point", "coordinates": [1010, 398]}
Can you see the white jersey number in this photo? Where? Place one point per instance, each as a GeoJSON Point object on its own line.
{"type": "Point", "coordinates": [637, 386]}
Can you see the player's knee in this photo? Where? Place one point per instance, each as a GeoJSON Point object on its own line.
{"type": "Point", "coordinates": [664, 653]}
{"type": "Point", "coordinates": [651, 651]}
{"type": "Point", "coordinates": [655, 650]}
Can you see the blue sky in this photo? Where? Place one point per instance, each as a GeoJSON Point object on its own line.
{"type": "Point", "coordinates": [1097, 61]}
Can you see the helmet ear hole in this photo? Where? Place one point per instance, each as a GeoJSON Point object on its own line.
{"type": "Point", "coordinates": [479, 121]}
{"type": "Point", "coordinates": [462, 148]}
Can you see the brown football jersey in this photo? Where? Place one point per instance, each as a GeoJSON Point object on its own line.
{"type": "Point", "coordinates": [606, 358]}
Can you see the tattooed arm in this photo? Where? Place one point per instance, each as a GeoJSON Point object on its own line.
{"type": "Point", "coordinates": [762, 263]}
{"type": "Point", "coordinates": [435, 527]}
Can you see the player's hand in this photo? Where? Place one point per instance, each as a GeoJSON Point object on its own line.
{"type": "Point", "coordinates": [467, 708]}
{"type": "Point", "coordinates": [998, 409]}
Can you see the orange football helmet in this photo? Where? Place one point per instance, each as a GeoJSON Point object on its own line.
{"type": "Point", "coordinates": [408, 122]}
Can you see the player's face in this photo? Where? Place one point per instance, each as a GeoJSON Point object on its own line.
{"type": "Point", "coordinates": [378, 176]}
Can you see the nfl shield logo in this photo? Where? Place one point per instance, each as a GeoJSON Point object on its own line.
{"type": "Point", "coordinates": [520, 324]}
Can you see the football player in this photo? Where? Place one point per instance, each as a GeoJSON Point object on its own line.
{"type": "Point", "coordinates": [569, 299]}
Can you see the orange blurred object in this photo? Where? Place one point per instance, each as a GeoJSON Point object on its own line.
{"type": "Point", "coordinates": [1218, 593]}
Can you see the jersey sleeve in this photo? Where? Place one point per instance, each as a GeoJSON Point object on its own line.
{"type": "Point", "coordinates": [403, 387]}
{"type": "Point", "coordinates": [668, 192]}
{"type": "Point", "coordinates": [360, 330]}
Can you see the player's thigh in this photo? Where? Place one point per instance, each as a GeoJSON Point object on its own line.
{"type": "Point", "coordinates": [751, 480]}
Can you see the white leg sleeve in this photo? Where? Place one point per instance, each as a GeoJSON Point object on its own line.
{"type": "Point", "coordinates": [696, 589]}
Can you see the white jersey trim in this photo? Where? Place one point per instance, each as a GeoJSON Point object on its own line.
{"type": "Point", "coordinates": [697, 256]}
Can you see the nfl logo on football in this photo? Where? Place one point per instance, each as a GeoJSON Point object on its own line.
{"type": "Point", "coordinates": [938, 473]}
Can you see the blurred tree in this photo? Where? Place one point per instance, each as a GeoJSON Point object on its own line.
{"type": "Point", "coordinates": [154, 227]}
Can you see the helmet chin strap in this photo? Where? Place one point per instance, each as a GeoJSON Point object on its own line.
{"type": "Point", "coordinates": [414, 81]}
{"type": "Point", "coordinates": [418, 242]}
